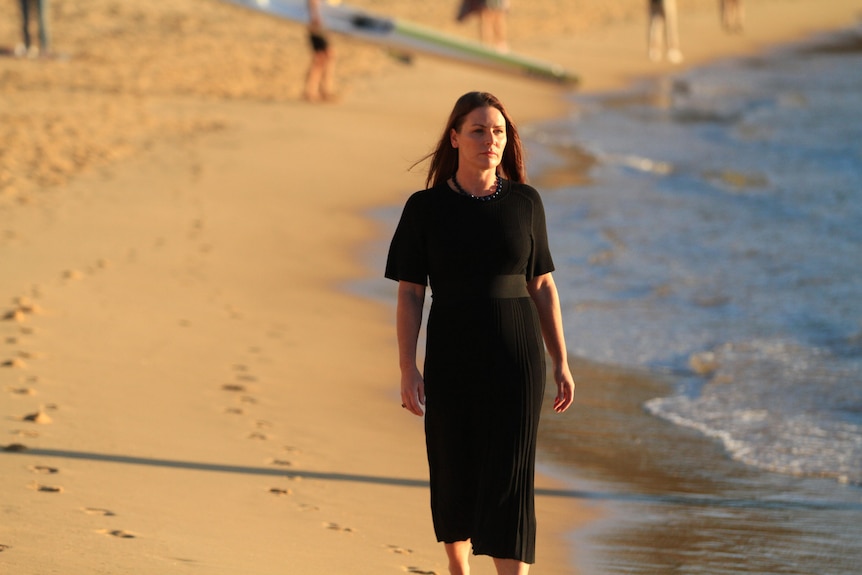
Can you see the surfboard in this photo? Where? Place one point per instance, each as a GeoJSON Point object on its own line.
{"type": "Point", "coordinates": [408, 37]}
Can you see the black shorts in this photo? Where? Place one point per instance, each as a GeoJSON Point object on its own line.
{"type": "Point", "coordinates": [319, 43]}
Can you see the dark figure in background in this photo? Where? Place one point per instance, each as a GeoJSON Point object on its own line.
{"type": "Point", "coordinates": [34, 10]}
{"type": "Point", "coordinates": [732, 16]}
{"type": "Point", "coordinates": [318, 81]}
{"type": "Point", "coordinates": [477, 236]}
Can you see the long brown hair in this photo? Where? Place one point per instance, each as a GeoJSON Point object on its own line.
{"type": "Point", "coordinates": [444, 158]}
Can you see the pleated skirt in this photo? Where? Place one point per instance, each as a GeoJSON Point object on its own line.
{"type": "Point", "coordinates": [484, 379]}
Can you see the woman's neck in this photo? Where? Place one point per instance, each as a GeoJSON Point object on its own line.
{"type": "Point", "coordinates": [477, 183]}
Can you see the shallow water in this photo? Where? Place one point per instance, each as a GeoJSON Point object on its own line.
{"type": "Point", "coordinates": [717, 246]}
{"type": "Point", "coordinates": [720, 238]}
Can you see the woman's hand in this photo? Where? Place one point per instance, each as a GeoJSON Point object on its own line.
{"type": "Point", "coordinates": [565, 388]}
{"type": "Point", "coordinates": [411, 298]}
{"type": "Point", "coordinates": [413, 392]}
{"type": "Point", "coordinates": [544, 293]}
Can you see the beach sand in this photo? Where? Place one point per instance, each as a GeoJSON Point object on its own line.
{"type": "Point", "coordinates": [185, 381]}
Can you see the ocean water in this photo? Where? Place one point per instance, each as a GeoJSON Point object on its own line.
{"type": "Point", "coordinates": [714, 239]}
{"type": "Point", "coordinates": [720, 239]}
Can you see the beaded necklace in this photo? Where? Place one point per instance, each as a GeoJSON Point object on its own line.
{"type": "Point", "coordinates": [487, 198]}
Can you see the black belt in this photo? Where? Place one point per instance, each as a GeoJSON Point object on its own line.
{"type": "Point", "coordinates": [489, 287]}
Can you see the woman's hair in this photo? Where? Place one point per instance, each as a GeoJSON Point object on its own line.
{"type": "Point", "coordinates": [444, 158]}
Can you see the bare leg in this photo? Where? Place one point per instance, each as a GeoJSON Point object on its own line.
{"type": "Point", "coordinates": [486, 26]}
{"type": "Point", "coordinates": [511, 567]}
{"type": "Point", "coordinates": [671, 28]}
{"type": "Point", "coordinates": [498, 26]}
{"type": "Point", "coordinates": [327, 81]}
{"type": "Point", "coordinates": [731, 15]}
{"type": "Point", "coordinates": [459, 557]}
{"type": "Point", "coordinates": [314, 76]}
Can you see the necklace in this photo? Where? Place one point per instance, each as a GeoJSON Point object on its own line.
{"type": "Point", "coordinates": [463, 192]}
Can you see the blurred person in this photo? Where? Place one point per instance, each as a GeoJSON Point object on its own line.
{"type": "Point", "coordinates": [732, 15]}
{"type": "Point", "coordinates": [492, 21]}
{"type": "Point", "coordinates": [663, 32]}
{"type": "Point", "coordinates": [477, 237]}
{"type": "Point", "coordinates": [34, 10]}
{"type": "Point", "coordinates": [319, 79]}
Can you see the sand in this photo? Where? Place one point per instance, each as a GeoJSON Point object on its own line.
{"type": "Point", "coordinates": [186, 383]}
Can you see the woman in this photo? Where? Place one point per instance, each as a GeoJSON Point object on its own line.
{"type": "Point", "coordinates": [477, 237]}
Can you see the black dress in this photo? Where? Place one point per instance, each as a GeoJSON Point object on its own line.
{"type": "Point", "coordinates": [484, 361]}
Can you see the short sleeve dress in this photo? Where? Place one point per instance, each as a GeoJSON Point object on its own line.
{"type": "Point", "coordinates": [484, 361]}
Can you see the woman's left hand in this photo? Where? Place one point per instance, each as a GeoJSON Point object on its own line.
{"type": "Point", "coordinates": [565, 388]}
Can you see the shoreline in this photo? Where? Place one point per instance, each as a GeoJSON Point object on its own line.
{"type": "Point", "coordinates": [208, 329]}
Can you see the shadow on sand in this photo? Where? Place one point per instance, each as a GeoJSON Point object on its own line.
{"type": "Point", "coordinates": [665, 499]}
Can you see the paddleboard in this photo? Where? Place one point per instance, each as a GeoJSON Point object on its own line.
{"type": "Point", "coordinates": [408, 37]}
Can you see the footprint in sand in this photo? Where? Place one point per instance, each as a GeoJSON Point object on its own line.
{"type": "Point", "coordinates": [98, 511]}
{"type": "Point", "coordinates": [420, 571]}
{"type": "Point", "coordinates": [24, 307]}
{"type": "Point", "coordinates": [14, 363]}
{"type": "Point", "coordinates": [21, 390]}
{"type": "Point", "coordinates": [46, 488]}
{"type": "Point", "coordinates": [29, 355]}
{"type": "Point", "coordinates": [73, 275]}
{"type": "Point", "coordinates": [15, 447]}
{"type": "Point", "coordinates": [258, 435]}
{"type": "Point", "coordinates": [233, 387]}
{"type": "Point", "coordinates": [399, 550]}
{"type": "Point", "coordinates": [15, 315]}
{"type": "Point", "coordinates": [280, 462]}
{"type": "Point", "coordinates": [47, 470]}
{"type": "Point", "coordinates": [39, 417]}
{"type": "Point", "coordinates": [337, 527]}
{"type": "Point", "coordinates": [280, 491]}
{"type": "Point", "coordinates": [3, 547]}
{"type": "Point", "coordinates": [120, 533]}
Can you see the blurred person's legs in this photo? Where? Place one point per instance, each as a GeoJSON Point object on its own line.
{"type": "Point", "coordinates": [731, 15]}
{"type": "Point", "coordinates": [663, 31]}
{"type": "Point", "coordinates": [29, 9]}
{"type": "Point", "coordinates": [492, 24]}
{"type": "Point", "coordinates": [321, 71]}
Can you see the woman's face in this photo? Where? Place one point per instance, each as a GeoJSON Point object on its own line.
{"type": "Point", "coordinates": [481, 139]}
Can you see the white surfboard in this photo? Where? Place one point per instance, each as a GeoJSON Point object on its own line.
{"type": "Point", "coordinates": [404, 36]}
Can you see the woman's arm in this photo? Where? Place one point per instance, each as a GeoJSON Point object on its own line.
{"type": "Point", "coordinates": [411, 299]}
{"type": "Point", "coordinates": [543, 290]}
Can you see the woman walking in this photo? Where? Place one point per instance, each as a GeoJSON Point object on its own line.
{"type": "Point", "coordinates": [477, 237]}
